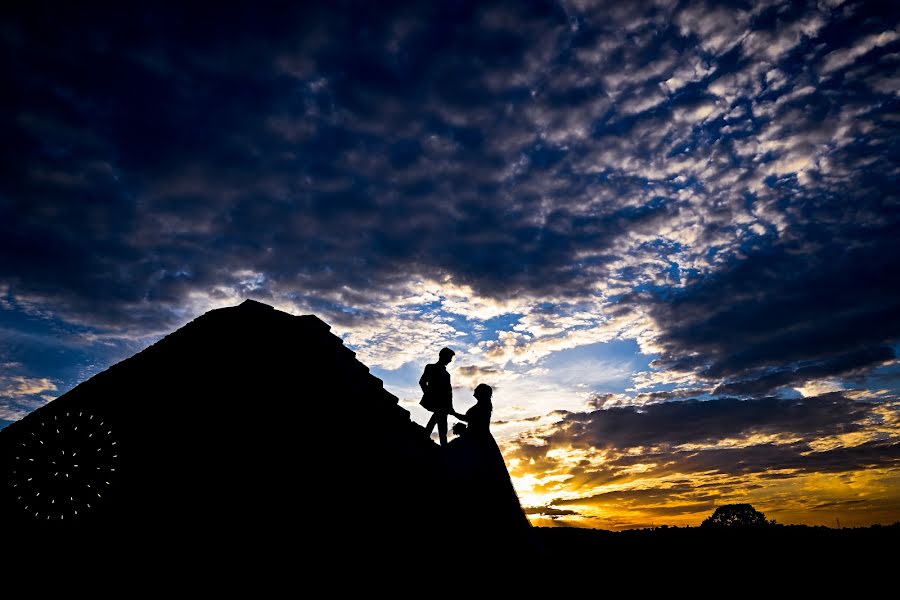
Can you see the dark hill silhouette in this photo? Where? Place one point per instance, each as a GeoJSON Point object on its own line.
{"type": "Point", "coordinates": [245, 426]}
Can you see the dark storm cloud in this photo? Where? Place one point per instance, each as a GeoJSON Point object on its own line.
{"type": "Point", "coordinates": [159, 152]}
{"type": "Point", "coordinates": [790, 313]}
{"type": "Point", "coordinates": [602, 401]}
{"type": "Point", "coordinates": [764, 457]}
{"type": "Point", "coordinates": [549, 511]}
{"type": "Point", "coordinates": [697, 421]}
{"type": "Point", "coordinates": [820, 299]}
{"type": "Point", "coordinates": [327, 153]}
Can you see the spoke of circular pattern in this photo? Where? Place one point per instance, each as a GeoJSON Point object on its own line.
{"type": "Point", "coordinates": [61, 467]}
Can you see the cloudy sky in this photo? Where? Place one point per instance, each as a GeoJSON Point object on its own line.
{"type": "Point", "coordinates": [666, 232]}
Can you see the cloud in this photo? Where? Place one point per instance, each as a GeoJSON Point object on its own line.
{"type": "Point", "coordinates": [469, 376]}
{"type": "Point", "coordinates": [17, 386]}
{"type": "Point", "coordinates": [20, 394]}
{"type": "Point", "coordinates": [369, 137]}
{"type": "Point", "coordinates": [774, 43]}
{"type": "Point", "coordinates": [697, 421]}
{"type": "Point", "coordinates": [718, 28]}
{"type": "Point", "coordinates": [549, 511]}
{"type": "Point", "coordinates": [838, 59]}
{"type": "Point", "coordinates": [788, 316]}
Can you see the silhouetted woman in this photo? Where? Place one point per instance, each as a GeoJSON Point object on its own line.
{"type": "Point", "coordinates": [485, 493]}
{"type": "Point", "coordinates": [478, 418]}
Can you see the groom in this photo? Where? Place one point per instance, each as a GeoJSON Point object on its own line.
{"type": "Point", "coordinates": [437, 394]}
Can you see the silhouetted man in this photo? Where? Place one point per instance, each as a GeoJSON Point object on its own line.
{"type": "Point", "coordinates": [437, 393]}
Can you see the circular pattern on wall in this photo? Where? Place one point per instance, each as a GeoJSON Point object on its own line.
{"type": "Point", "coordinates": [64, 466]}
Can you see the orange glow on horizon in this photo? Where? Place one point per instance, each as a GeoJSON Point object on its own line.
{"type": "Point", "coordinates": [575, 488]}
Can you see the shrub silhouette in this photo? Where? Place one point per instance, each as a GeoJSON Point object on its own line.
{"type": "Point", "coordinates": [735, 515]}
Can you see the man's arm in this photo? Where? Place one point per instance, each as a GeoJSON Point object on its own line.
{"type": "Point", "coordinates": [423, 380]}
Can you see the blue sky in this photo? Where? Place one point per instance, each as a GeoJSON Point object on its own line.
{"type": "Point", "coordinates": [604, 208]}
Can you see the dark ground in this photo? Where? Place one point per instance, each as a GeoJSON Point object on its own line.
{"type": "Point", "coordinates": [773, 549]}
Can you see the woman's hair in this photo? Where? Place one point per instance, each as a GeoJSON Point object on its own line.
{"type": "Point", "coordinates": [483, 388]}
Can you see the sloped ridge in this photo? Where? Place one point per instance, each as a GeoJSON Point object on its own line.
{"type": "Point", "coordinates": [244, 411]}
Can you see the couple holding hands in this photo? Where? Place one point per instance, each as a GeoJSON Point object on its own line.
{"type": "Point", "coordinates": [437, 396]}
{"type": "Point", "coordinates": [481, 487]}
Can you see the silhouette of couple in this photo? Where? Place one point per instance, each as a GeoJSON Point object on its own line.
{"type": "Point", "coordinates": [473, 460]}
{"type": "Point", "coordinates": [437, 396]}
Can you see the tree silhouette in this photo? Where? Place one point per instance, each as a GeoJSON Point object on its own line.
{"type": "Point", "coordinates": [735, 515]}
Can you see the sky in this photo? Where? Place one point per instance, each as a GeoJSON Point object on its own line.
{"type": "Point", "coordinates": [665, 232]}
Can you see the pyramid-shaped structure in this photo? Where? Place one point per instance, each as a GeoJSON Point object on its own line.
{"type": "Point", "coordinates": [247, 422]}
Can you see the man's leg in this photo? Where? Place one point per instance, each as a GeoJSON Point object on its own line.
{"type": "Point", "coordinates": [442, 427]}
{"type": "Point", "coordinates": [431, 423]}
